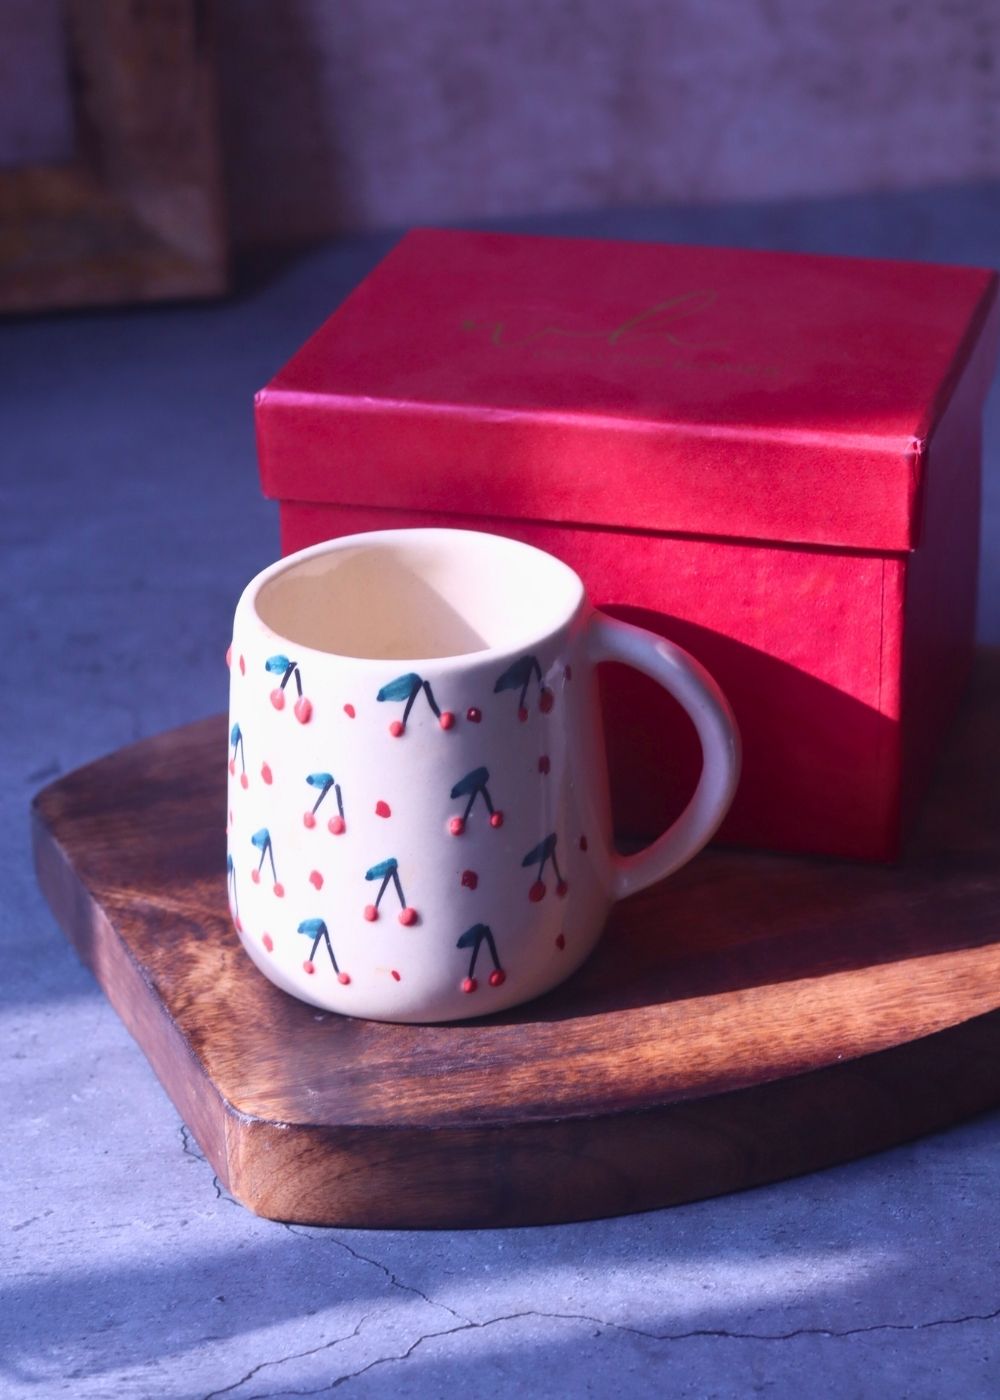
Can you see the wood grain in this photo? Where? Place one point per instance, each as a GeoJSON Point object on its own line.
{"type": "Point", "coordinates": [753, 1018]}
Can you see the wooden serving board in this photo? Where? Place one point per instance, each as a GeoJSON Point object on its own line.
{"type": "Point", "coordinates": [753, 1018]}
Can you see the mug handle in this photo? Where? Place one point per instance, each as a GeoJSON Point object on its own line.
{"type": "Point", "coordinates": [691, 685]}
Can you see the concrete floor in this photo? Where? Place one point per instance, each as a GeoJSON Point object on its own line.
{"type": "Point", "coordinates": [131, 519]}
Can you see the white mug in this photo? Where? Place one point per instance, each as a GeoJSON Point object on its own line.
{"type": "Point", "coordinates": [419, 825]}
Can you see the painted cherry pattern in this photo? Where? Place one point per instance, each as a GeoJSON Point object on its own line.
{"type": "Point", "coordinates": [406, 688]}
{"type": "Point", "coordinates": [234, 899]}
{"type": "Point", "coordinates": [317, 930]}
{"type": "Point", "coordinates": [236, 744]}
{"type": "Point", "coordinates": [474, 938]}
{"type": "Point", "coordinates": [262, 840]}
{"type": "Point", "coordinates": [388, 872]}
{"type": "Point", "coordinates": [474, 785]}
{"type": "Point", "coordinates": [519, 676]}
{"type": "Point", "coordinates": [541, 855]}
{"type": "Point", "coordinates": [325, 783]}
{"type": "Point", "coordinates": [279, 665]}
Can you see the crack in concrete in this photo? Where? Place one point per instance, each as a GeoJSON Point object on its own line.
{"type": "Point", "coordinates": [190, 1148]}
{"type": "Point", "coordinates": [394, 1279]}
{"type": "Point", "coordinates": [280, 1361]}
{"type": "Point", "coordinates": [699, 1332]}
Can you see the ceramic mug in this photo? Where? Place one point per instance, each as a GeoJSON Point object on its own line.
{"type": "Point", "coordinates": [419, 825]}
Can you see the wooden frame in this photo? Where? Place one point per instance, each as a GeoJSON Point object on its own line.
{"type": "Point", "coordinates": [137, 215]}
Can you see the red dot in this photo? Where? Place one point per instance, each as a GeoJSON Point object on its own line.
{"type": "Point", "coordinates": [395, 975]}
{"type": "Point", "coordinates": [267, 941]}
{"type": "Point", "coordinates": [561, 888]}
{"type": "Point", "coordinates": [456, 826]}
{"type": "Point", "coordinates": [561, 942]}
{"type": "Point", "coordinates": [522, 714]}
{"type": "Point", "coordinates": [447, 719]}
{"type": "Point", "coordinates": [336, 826]}
{"type": "Point", "coordinates": [583, 843]}
{"type": "Point", "coordinates": [469, 984]}
{"type": "Point", "coordinates": [473, 715]}
{"type": "Point", "coordinates": [266, 774]}
{"type": "Point", "coordinates": [243, 666]}
{"type": "Point", "coordinates": [407, 916]}
{"type": "Point", "coordinates": [396, 728]}
{"type": "Point", "coordinates": [344, 979]}
{"type": "Point", "coordinates": [546, 700]}
{"type": "Point", "coordinates": [350, 711]}
{"type": "Point", "coordinates": [382, 809]}
{"type": "Point", "coordinates": [229, 654]}
{"type": "Point", "coordinates": [309, 967]}
{"type": "Point", "coordinates": [537, 892]}
{"type": "Point", "coordinates": [308, 820]}
{"type": "Point", "coordinates": [498, 977]}
{"type": "Point", "coordinates": [278, 698]}
{"type": "Point", "coordinates": [303, 710]}
{"type": "Point", "coordinates": [316, 879]}
{"type": "Point", "coordinates": [544, 764]}
{"type": "Point", "coordinates": [232, 766]}
{"type": "Point", "coordinates": [279, 889]}
{"type": "Point", "coordinates": [244, 781]}
{"type": "Point", "coordinates": [470, 879]}
{"type": "Point", "coordinates": [255, 876]}
{"type": "Point", "coordinates": [371, 913]}
{"type": "Point", "coordinates": [496, 819]}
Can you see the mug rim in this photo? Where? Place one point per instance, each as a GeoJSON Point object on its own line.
{"type": "Point", "coordinates": [247, 606]}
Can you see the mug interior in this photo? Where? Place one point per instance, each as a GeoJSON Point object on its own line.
{"type": "Point", "coordinates": [412, 594]}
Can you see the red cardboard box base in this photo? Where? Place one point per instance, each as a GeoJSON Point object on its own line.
{"type": "Point", "coordinates": [772, 460]}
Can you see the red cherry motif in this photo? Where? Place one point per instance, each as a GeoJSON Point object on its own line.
{"type": "Point", "coordinates": [561, 942]}
{"type": "Point", "coordinates": [266, 774]}
{"type": "Point", "coordinates": [397, 728]}
{"type": "Point", "coordinates": [308, 820]}
{"type": "Point", "coordinates": [522, 715]}
{"type": "Point", "coordinates": [336, 826]}
{"type": "Point", "coordinates": [279, 890]}
{"type": "Point", "coordinates": [537, 891]}
{"type": "Point", "coordinates": [244, 781]}
{"type": "Point", "coordinates": [498, 977]}
{"type": "Point", "coordinates": [561, 889]}
{"type": "Point", "coordinates": [473, 715]}
{"type": "Point", "coordinates": [544, 764]}
{"type": "Point", "coordinates": [371, 913]}
{"type": "Point", "coordinates": [278, 698]}
{"type": "Point", "coordinates": [407, 916]}
{"type": "Point", "coordinates": [350, 711]}
{"type": "Point", "coordinates": [496, 819]}
{"type": "Point", "coordinates": [469, 984]}
{"type": "Point", "coordinates": [546, 700]}
{"type": "Point", "coordinates": [303, 710]}
{"type": "Point", "coordinates": [255, 876]}
{"type": "Point", "coordinates": [309, 967]}
{"type": "Point", "coordinates": [237, 924]}
{"type": "Point", "coordinates": [447, 719]}
{"type": "Point", "coordinates": [243, 666]}
{"type": "Point", "coordinates": [232, 766]}
{"type": "Point", "coordinates": [344, 979]}
{"type": "Point", "coordinates": [267, 941]}
{"type": "Point", "coordinates": [382, 809]}
{"type": "Point", "coordinates": [316, 879]}
{"type": "Point", "coordinates": [469, 878]}
{"type": "Point", "coordinates": [229, 655]}
{"type": "Point", "coordinates": [456, 826]}
{"type": "Point", "coordinates": [395, 975]}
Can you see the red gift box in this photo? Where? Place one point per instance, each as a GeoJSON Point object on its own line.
{"type": "Point", "coordinates": [773, 459]}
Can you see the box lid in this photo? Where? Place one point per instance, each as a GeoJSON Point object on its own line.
{"type": "Point", "coordinates": [687, 390]}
